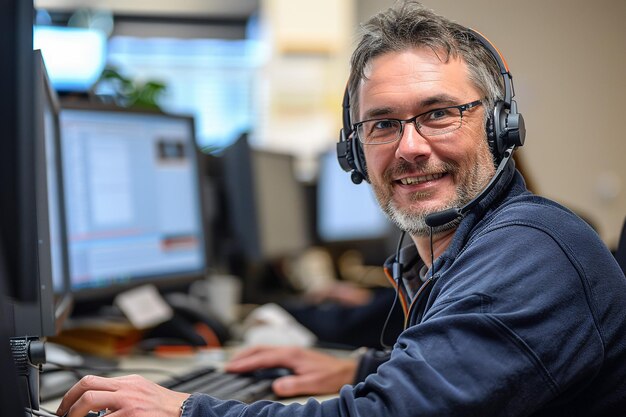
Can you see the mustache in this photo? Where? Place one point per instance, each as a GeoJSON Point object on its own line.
{"type": "Point", "coordinates": [402, 167]}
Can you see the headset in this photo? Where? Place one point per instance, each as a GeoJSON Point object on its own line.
{"type": "Point", "coordinates": [505, 131]}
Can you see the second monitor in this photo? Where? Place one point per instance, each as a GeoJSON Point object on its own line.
{"type": "Point", "coordinates": [132, 199]}
{"type": "Point", "coordinates": [266, 203]}
{"type": "Point", "coordinates": [348, 216]}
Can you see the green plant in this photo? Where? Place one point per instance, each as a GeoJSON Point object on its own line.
{"type": "Point", "coordinates": [129, 93]}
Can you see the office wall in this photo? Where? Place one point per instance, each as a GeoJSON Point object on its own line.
{"type": "Point", "coordinates": [301, 84]}
{"type": "Point", "coordinates": [567, 58]}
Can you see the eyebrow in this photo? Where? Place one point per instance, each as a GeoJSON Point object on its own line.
{"type": "Point", "coordinates": [377, 112]}
{"type": "Point", "coordinates": [442, 99]}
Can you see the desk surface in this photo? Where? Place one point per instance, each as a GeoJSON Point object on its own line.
{"type": "Point", "coordinates": [164, 367]}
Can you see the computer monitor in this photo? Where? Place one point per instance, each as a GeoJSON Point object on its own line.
{"type": "Point", "coordinates": [348, 215]}
{"type": "Point", "coordinates": [267, 215]}
{"type": "Point", "coordinates": [132, 200]}
{"type": "Point", "coordinates": [30, 318]}
{"type": "Point", "coordinates": [266, 203]}
{"type": "Point", "coordinates": [346, 211]}
{"type": "Point", "coordinates": [39, 228]}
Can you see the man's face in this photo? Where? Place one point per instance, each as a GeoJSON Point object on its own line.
{"type": "Point", "coordinates": [416, 176]}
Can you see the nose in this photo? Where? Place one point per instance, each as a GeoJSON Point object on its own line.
{"type": "Point", "coordinates": [412, 146]}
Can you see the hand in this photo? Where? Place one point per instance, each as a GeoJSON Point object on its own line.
{"type": "Point", "coordinates": [343, 293]}
{"type": "Point", "coordinates": [314, 373]}
{"type": "Point", "coordinates": [123, 396]}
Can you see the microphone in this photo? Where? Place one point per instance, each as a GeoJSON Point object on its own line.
{"type": "Point", "coordinates": [356, 177]}
{"type": "Point", "coordinates": [446, 216]}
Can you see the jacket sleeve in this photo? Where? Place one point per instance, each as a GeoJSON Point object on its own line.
{"type": "Point", "coordinates": [369, 363]}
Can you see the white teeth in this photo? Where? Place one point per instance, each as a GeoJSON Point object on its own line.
{"type": "Point", "coordinates": [421, 179]}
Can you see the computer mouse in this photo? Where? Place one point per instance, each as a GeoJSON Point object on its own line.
{"type": "Point", "coordinates": [91, 414]}
{"type": "Point", "coordinates": [270, 373]}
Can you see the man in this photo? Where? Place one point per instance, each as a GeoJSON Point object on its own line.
{"type": "Point", "coordinates": [514, 308]}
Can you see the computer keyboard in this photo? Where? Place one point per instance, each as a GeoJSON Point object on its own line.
{"type": "Point", "coordinates": [208, 380]}
{"type": "Point", "coordinates": [228, 386]}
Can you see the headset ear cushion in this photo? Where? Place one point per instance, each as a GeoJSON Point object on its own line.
{"type": "Point", "coordinates": [491, 135]}
{"type": "Point", "coordinates": [498, 136]}
{"type": "Point", "coordinates": [359, 158]}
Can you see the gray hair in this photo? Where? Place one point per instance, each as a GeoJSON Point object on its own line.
{"type": "Point", "coordinates": [407, 25]}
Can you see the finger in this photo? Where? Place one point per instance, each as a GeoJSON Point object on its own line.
{"type": "Point", "coordinates": [94, 401]}
{"type": "Point", "coordinates": [255, 350]}
{"type": "Point", "coordinates": [87, 383]}
{"type": "Point", "coordinates": [249, 351]}
{"type": "Point", "coordinates": [264, 358]}
{"type": "Point", "coordinates": [291, 386]}
{"type": "Point", "coordinates": [306, 384]}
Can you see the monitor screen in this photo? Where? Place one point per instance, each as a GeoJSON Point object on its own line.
{"type": "Point", "coordinates": [54, 195]}
{"type": "Point", "coordinates": [346, 211]}
{"type": "Point", "coordinates": [132, 199]}
{"type": "Point", "coordinates": [52, 256]}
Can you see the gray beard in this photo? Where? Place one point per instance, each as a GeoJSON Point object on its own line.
{"type": "Point", "coordinates": [415, 224]}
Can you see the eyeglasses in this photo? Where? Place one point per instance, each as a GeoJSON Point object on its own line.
{"type": "Point", "coordinates": [431, 123]}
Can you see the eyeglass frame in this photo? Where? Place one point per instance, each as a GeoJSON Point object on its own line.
{"type": "Point", "coordinates": [413, 120]}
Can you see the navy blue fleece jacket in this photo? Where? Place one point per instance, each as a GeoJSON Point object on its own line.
{"type": "Point", "coordinates": [525, 316]}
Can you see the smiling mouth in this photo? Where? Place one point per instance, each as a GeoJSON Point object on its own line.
{"type": "Point", "coordinates": [420, 179]}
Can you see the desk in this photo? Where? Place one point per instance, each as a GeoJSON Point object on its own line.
{"type": "Point", "coordinates": [161, 368]}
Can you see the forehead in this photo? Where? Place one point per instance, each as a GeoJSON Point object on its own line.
{"type": "Point", "coordinates": [411, 79]}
